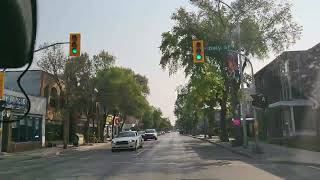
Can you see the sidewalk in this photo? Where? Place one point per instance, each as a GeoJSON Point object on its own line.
{"type": "Point", "coordinates": [53, 151]}
{"type": "Point", "coordinates": [273, 153]}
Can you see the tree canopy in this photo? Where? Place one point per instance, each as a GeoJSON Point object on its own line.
{"type": "Point", "coordinates": [264, 26]}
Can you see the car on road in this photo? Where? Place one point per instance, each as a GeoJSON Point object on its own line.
{"type": "Point", "coordinates": [151, 134]}
{"type": "Point", "coordinates": [127, 140]}
{"type": "Point", "coordinates": [142, 133]}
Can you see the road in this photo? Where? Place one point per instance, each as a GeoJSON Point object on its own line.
{"type": "Point", "coordinates": [173, 156]}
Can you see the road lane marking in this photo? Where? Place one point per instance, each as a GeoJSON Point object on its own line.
{"type": "Point", "coordinates": [137, 154]}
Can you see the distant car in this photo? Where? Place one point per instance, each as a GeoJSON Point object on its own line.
{"type": "Point", "coordinates": [127, 140]}
{"type": "Point", "coordinates": [169, 131]}
{"type": "Point", "coordinates": [151, 134]}
{"type": "Point", "coordinates": [142, 133]}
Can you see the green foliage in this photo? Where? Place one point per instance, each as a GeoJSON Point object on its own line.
{"type": "Point", "coordinates": [143, 82]}
{"type": "Point", "coordinates": [103, 61]}
{"type": "Point", "coordinates": [265, 25]}
{"type": "Point", "coordinates": [119, 90]}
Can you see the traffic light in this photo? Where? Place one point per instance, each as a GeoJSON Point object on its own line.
{"type": "Point", "coordinates": [198, 51]}
{"type": "Point", "coordinates": [75, 44]}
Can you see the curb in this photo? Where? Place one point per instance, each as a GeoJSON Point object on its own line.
{"type": "Point", "coordinates": [295, 163]}
{"type": "Point", "coordinates": [227, 148]}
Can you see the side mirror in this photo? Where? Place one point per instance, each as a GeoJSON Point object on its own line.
{"type": "Point", "coordinates": [19, 21]}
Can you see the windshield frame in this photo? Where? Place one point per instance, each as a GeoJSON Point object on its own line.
{"type": "Point", "coordinates": [127, 134]}
{"type": "Point", "coordinates": [151, 131]}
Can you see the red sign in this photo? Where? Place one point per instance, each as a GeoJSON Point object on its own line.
{"type": "Point", "coordinates": [236, 122]}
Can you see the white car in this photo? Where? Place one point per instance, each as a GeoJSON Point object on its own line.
{"type": "Point", "coordinates": [127, 140]}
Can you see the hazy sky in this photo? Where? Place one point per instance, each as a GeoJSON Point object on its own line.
{"type": "Point", "coordinates": [131, 31]}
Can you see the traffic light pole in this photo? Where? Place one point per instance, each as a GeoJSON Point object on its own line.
{"type": "Point", "coordinates": [257, 148]}
{"type": "Point", "coordinates": [54, 44]}
{"type": "Point", "coordinates": [242, 112]}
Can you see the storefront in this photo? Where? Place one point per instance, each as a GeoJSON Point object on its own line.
{"type": "Point", "coordinates": [29, 132]}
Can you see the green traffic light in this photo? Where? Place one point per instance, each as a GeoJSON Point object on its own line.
{"type": "Point", "coordinates": [199, 57]}
{"type": "Point", "coordinates": [74, 51]}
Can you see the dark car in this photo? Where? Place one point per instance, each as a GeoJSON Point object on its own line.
{"type": "Point", "coordinates": [142, 133]}
{"type": "Point", "coordinates": [151, 134]}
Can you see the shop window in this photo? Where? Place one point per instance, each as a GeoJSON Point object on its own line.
{"type": "Point", "coordinates": [15, 131]}
{"type": "Point", "coordinates": [28, 129]}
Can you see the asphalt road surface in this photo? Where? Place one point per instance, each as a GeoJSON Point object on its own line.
{"type": "Point", "coordinates": [173, 156]}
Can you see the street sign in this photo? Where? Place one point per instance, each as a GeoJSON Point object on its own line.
{"type": "Point", "coordinates": [2, 84]}
{"type": "Point", "coordinates": [218, 48]}
{"type": "Point", "coordinates": [198, 51]}
{"type": "Point", "coordinates": [75, 44]}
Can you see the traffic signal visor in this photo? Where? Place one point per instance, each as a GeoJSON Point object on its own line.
{"type": "Point", "coordinates": [198, 51]}
{"type": "Point", "coordinates": [75, 44]}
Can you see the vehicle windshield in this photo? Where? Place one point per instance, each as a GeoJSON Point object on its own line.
{"type": "Point", "coordinates": [160, 89]}
{"type": "Point", "coordinates": [150, 131]}
{"type": "Point", "coordinates": [127, 134]}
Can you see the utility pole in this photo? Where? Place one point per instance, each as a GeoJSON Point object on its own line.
{"type": "Point", "coordinates": [242, 105]}
{"type": "Point", "coordinates": [256, 138]}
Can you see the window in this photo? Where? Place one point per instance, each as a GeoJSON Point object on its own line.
{"type": "Point", "coordinates": [28, 129]}
{"type": "Point", "coordinates": [53, 98]}
{"type": "Point", "coordinates": [150, 131]}
{"type": "Point", "coordinates": [127, 134]}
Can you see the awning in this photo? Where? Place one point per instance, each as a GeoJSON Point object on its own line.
{"type": "Point", "coordinates": [296, 102]}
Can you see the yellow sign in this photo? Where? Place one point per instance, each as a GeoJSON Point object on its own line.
{"type": "Point", "coordinates": [1, 85]}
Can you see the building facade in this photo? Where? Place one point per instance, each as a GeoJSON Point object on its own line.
{"type": "Point", "coordinates": [291, 85]}
{"type": "Point", "coordinates": [42, 84]}
{"type": "Point", "coordinates": [29, 132]}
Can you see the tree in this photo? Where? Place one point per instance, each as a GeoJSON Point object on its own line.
{"type": "Point", "coordinates": [103, 61]}
{"type": "Point", "coordinates": [119, 90]}
{"type": "Point", "coordinates": [265, 26]}
{"type": "Point", "coordinates": [143, 82]}
{"type": "Point", "coordinates": [75, 78]}
{"type": "Point", "coordinates": [52, 61]}
{"type": "Point", "coordinates": [79, 90]}
{"type": "Point", "coordinates": [147, 120]}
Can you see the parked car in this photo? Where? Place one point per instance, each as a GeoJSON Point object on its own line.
{"type": "Point", "coordinates": [151, 134]}
{"type": "Point", "coordinates": [142, 133]}
{"type": "Point", "coordinates": [127, 140]}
